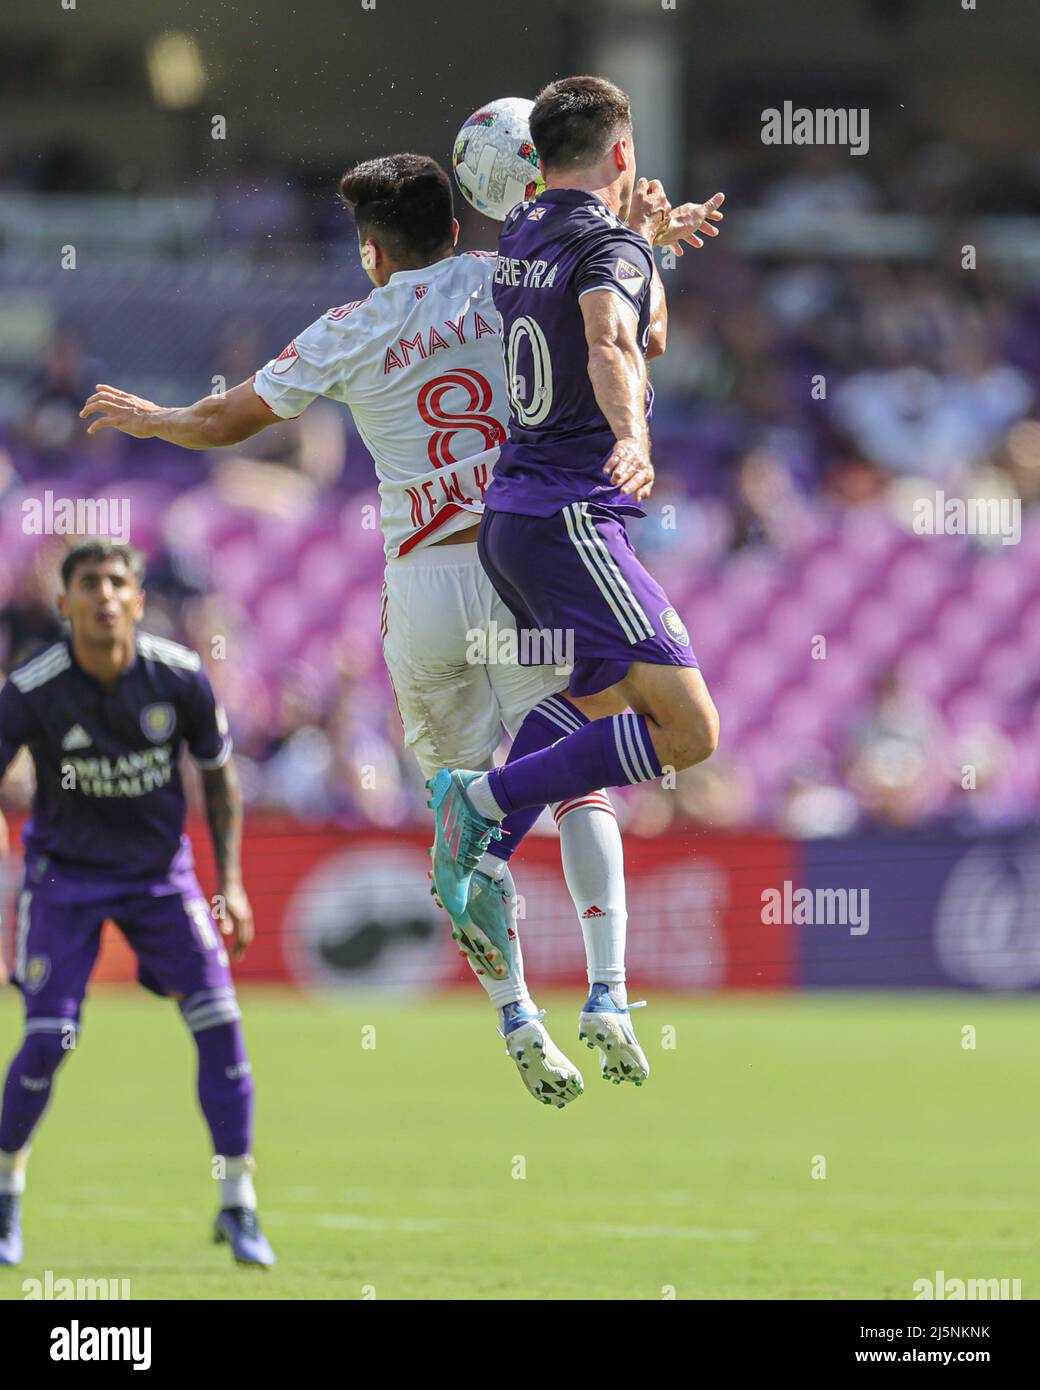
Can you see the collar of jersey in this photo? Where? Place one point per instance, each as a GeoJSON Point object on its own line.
{"type": "Point", "coordinates": [85, 675]}
{"type": "Point", "coordinates": [570, 195]}
{"type": "Point", "coordinates": [405, 277]}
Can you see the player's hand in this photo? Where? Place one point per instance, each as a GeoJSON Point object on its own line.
{"type": "Point", "coordinates": [685, 221]}
{"type": "Point", "coordinates": [237, 921]}
{"type": "Point", "coordinates": [120, 411]}
{"type": "Point", "coordinates": [650, 209]}
{"type": "Point", "coordinates": [630, 469]}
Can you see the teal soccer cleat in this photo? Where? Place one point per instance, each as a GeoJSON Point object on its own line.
{"type": "Point", "coordinates": [461, 836]}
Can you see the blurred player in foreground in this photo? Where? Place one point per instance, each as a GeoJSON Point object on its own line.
{"type": "Point", "coordinates": [105, 713]}
{"type": "Point", "coordinates": [419, 363]}
{"type": "Point", "coordinates": [581, 309]}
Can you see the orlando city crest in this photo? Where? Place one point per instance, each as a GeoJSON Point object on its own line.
{"type": "Point", "coordinates": [157, 722]}
{"type": "Point", "coordinates": [37, 972]}
{"type": "Point", "coordinates": [675, 627]}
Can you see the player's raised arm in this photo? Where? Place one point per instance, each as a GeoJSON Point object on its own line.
{"type": "Point", "coordinates": [617, 371]}
{"type": "Point", "coordinates": [208, 424]}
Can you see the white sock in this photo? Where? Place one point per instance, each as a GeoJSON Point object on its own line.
{"type": "Point", "coordinates": [236, 1186]}
{"type": "Point", "coordinates": [494, 866]}
{"type": "Point", "coordinates": [479, 795]}
{"type": "Point", "coordinates": [12, 1172]}
{"type": "Point", "coordinates": [594, 867]}
{"type": "Point", "coordinates": [510, 988]}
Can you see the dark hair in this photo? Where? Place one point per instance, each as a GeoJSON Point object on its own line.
{"type": "Point", "coordinates": [405, 201]}
{"type": "Point", "coordinates": [93, 552]}
{"type": "Point", "coordinates": [575, 121]}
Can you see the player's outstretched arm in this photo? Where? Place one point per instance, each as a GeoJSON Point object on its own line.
{"type": "Point", "coordinates": [617, 371]}
{"type": "Point", "coordinates": [208, 424]}
{"type": "Point", "coordinates": [224, 814]}
{"type": "Point", "coordinates": [686, 221]}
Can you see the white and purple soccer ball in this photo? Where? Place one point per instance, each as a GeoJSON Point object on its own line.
{"type": "Point", "coordinates": [494, 158]}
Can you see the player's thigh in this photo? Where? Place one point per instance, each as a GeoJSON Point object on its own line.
{"type": "Point", "coordinates": [517, 687]}
{"type": "Point", "coordinates": [677, 699]}
{"type": "Point", "coordinates": [56, 945]}
{"type": "Point", "coordinates": [434, 655]}
{"type": "Point", "coordinates": [181, 954]}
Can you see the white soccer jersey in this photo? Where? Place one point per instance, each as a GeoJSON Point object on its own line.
{"type": "Point", "coordinates": [419, 364]}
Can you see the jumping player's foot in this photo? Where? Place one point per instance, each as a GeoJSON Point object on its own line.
{"type": "Point", "coordinates": [489, 926]}
{"type": "Point", "coordinates": [11, 1249]}
{"type": "Point", "coordinates": [544, 1070]}
{"type": "Point", "coordinates": [606, 1025]}
{"type": "Point", "coordinates": [461, 837]}
{"type": "Point", "coordinates": [240, 1228]}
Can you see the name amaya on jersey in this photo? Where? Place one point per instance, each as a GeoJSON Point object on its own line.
{"type": "Point", "coordinates": [109, 805]}
{"type": "Point", "coordinates": [419, 365]}
{"type": "Point", "coordinates": [552, 252]}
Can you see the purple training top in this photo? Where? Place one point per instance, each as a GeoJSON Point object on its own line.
{"type": "Point", "coordinates": [551, 252]}
{"type": "Point", "coordinates": [109, 806]}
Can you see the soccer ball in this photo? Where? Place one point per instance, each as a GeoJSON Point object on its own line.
{"type": "Point", "coordinates": [495, 161]}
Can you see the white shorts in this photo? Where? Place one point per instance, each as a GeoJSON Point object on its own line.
{"type": "Point", "coordinates": [453, 694]}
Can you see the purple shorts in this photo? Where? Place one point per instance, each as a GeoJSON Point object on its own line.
{"type": "Point", "coordinates": [575, 573]}
{"type": "Point", "coordinates": [179, 949]}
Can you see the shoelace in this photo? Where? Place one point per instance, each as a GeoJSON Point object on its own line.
{"type": "Point", "coordinates": [474, 840]}
{"type": "Point", "coordinates": [527, 1018]}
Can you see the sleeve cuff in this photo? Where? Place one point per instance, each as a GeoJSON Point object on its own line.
{"type": "Point", "coordinates": [209, 764]}
{"type": "Point", "coordinates": [615, 290]}
{"type": "Point", "coordinates": [273, 405]}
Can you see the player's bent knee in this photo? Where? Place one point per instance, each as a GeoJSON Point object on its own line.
{"type": "Point", "coordinates": [700, 737]}
{"type": "Point", "coordinates": [43, 1054]}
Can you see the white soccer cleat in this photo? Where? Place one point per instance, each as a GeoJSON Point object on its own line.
{"type": "Point", "coordinates": [550, 1076]}
{"type": "Point", "coordinates": [603, 1024]}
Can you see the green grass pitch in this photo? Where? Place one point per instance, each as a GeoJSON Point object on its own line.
{"type": "Point", "coordinates": [393, 1171]}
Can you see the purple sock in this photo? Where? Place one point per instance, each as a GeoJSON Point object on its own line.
{"type": "Point", "coordinates": [604, 753]}
{"type": "Point", "coordinates": [548, 722]}
{"type": "Point", "coordinates": [28, 1087]}
{"type": "Point", "coordinates": [226, 1088]}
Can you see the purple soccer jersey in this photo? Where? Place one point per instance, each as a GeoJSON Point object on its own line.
{"type": "Point", "coordinates": [551, 253]}
{"type": "Point", "coordinates": [553, 537]}
{"type": "Point", "coordinates": [109, 809]}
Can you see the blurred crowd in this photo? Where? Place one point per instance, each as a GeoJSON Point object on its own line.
{"type": "Point", "coordinates": [798, 391]}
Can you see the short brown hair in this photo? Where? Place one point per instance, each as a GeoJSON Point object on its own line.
{"type": "Point", "coordinates": [404, 200]}
{"type": "Point", "coordinates": [576, 120]}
